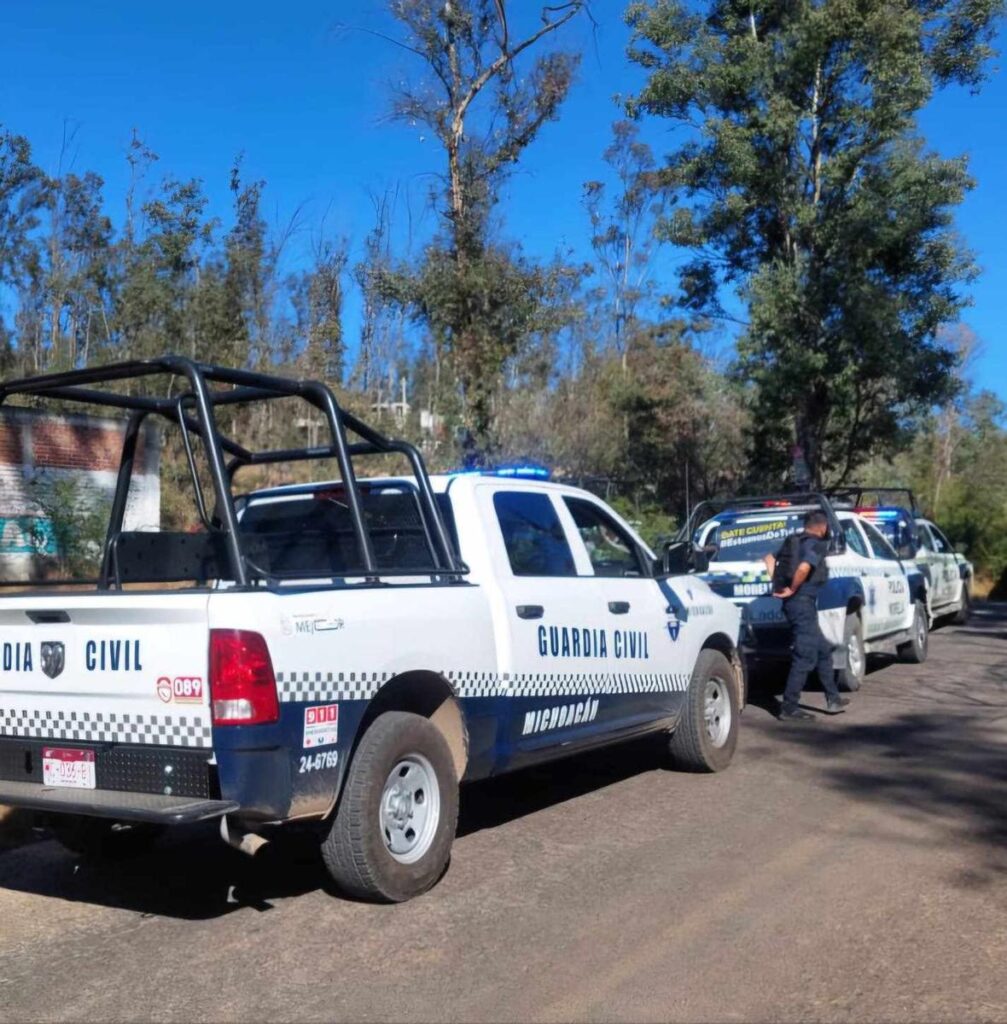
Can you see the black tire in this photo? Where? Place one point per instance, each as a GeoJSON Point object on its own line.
{"type": "Point", "coordinates": [851, 675]}
{"type": "Point", "coordinates": [694, 746]}
{"type": "Point", "coordinates": [961, 617]}
{"type": "Point", "coordinates": [915, 652]}
{"type": "Point", "coordinates": [356, 849]}
{"type": "Point", "coordinates": [104, 839]}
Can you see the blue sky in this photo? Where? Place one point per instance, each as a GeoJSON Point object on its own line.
{"type": "Point", "coordinates": [303, 94]}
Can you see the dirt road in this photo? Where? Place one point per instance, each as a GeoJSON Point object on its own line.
{"type": "Point", "coordinates": [850, 868]}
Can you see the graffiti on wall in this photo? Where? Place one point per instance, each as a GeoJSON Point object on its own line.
{"type": "Point", "coordinates": [27, 535]}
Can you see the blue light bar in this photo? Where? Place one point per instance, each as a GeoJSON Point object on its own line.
{"type": "Point", "coordinates": [879, 513]}
{"type": "Point", "coordinates": [522, 471]}
{"type": "Point", "coordinates": [510, 471]}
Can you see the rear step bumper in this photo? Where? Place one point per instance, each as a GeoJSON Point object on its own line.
{"type": "Point", "coordinates": [154, 807]}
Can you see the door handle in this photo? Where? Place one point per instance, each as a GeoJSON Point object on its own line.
{"type": "Point", "coordinates": [618, 607]}
{"type": "Point", "coordinates": [530, 611]}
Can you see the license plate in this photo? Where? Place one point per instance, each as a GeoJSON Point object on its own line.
{"type": "Point", "coordinates": [71, 769]}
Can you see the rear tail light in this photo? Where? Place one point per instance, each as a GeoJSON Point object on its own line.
{"type": "Point", "coordinates": [242, 684]}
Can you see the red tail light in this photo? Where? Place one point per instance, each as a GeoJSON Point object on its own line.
{"type": "Point", "coordinates": [242, 684]}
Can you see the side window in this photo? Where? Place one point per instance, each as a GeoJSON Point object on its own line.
{"type": "Point", "coordinates": [533, 535]}
{"type": "Point", "coordinates": [880, 547]}
{"type": "Point", "coordinates": [610, 548]}
{"type": "Point", "coordinates": [926, 541]}
{"type": "Point", "coordinates": [854, 539]}
{"type": "Point", "coordinates": [941, 544]}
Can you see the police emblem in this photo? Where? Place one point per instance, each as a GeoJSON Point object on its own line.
{"type": "Point", "coordinates": [53, 658]}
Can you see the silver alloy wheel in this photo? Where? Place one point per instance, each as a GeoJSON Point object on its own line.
{"type": "Point", "coordinates": [717, 711]}
{"type": "Point", "coordinates": [410, 809]}
{"type": "Point", "coordinates": [854, 658]}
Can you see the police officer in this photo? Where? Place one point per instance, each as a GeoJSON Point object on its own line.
{"type": "Point", "coordinates": [800, 606]}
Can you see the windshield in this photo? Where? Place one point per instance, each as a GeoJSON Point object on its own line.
{"type": "Point", "coordinates": [747, 537]}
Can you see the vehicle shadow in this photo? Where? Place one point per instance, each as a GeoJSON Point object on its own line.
{"type": "Point", "coordinates": [766, 684]}
{"type": "Point", "coordinates": [191, 874]}
{"type": "Point", "coordinates": [494, 802]}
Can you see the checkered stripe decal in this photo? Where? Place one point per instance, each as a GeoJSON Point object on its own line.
{"type": "Point", "coordinates": [337, 686]}
{"type": "Point", "coordinates": [318, 686]}
{"type": "Point", "coordinates": [183, 731]}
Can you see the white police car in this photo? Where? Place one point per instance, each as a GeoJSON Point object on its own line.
{"type": "Point", "coordinates": [919, 541]}
{"type": "Point", "coordinates": [869, 604]}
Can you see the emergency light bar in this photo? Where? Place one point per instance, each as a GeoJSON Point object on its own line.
{"type": "Point", "coordinates": [512, 471]}
{"type": "Point", "coordinates": [879, 513]}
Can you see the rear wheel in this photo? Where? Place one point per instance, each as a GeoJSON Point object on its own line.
{"type": "Point", "coordinates": [961, 617]}
{"type": "Point", "coordinates": [391, 837]}
{"type": "Point", "coordinates": [851, 675]}
{"type": "Point", "coordinates": [915, 652]}
{"type": "Point", "coordinates": [707, 732]}
{"type": "Point", "coordinates": [101, 838]}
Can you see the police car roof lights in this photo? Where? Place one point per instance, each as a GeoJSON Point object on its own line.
{"type": "Point", "coordinates": [511, 470]}
{"type": "Point", "coordinates": [877, 512]}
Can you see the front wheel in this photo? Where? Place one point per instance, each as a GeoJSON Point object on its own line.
{"type": "Point", "coordinates": [915, 651]}
{"type": "Point", "coordinates": [851, 675]}
{"type": "Point", "coordinates": [391, 837]}
{"type": "Point", "coordinates": [707, 733]}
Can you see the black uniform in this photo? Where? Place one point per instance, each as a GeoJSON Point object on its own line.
{"type": "Point", "coordinates": [811, 649]}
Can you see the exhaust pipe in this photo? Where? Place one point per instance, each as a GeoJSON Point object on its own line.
{"type": "Point", "coordinates": [248, 843]}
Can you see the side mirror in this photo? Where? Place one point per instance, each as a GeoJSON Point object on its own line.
{"type": "Point", "coordinates": [680, 557]}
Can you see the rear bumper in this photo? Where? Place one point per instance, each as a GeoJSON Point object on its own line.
{"type": "Point", "coordinates": [99, 803]}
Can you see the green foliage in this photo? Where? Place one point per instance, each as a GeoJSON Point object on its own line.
{"type": "Point", "coordinates": [648, 518]}
{"type": "Point", "coordinates": [484, 311]}
{"type": "Point", "coordinates": [802, 185]}
{"type": "Point", "coordinates": [78, 519]}
{"type": "Point", "coordinates": [957, 467]}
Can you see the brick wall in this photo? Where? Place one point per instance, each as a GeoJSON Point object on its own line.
{"type": "Point", "coordinates": [37, 450]}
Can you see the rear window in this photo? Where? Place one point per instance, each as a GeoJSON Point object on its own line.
{"type": "Point", "coordinates": [898, 531]}
{"type": "Point", "coordinates": [533, 535]}
{"type": "Point", "coordinates": [314, 531]}
{"type": "Point", "coordinates": [748, 538]}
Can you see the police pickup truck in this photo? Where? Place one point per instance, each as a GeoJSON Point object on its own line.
{"type": "Point", "coordinates": [919, 542]}
{"type": "Point", "coordinates": [341, 653]}
{"type": "Point", "coordinates": [871, 603]}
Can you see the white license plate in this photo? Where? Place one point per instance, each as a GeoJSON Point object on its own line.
{"type": "Point", "coordinates": [71, 769]}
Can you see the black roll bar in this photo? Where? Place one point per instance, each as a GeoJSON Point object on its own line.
{"type": "Point", "coordinates": [245, 386]}
{"type": "Point", "coordinates": [855, 493]}
{"type": "Point", "coordinates": [768, 502]}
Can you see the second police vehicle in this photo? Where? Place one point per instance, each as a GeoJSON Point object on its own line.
{"type": "Point", "coordinates": [342, 654]}
{"type": "Point", "coordinates": [871, 603]}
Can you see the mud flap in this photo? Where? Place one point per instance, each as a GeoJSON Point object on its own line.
{"type": "Point", "coordinates": [832, 622]}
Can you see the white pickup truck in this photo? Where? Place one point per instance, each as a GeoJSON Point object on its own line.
{"type": "Point", "coordinates": [871, 603]}
{"type": "Point", "coordinates": [345, 652]}
{"type": "Point", "coordinates": [919, 542]}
